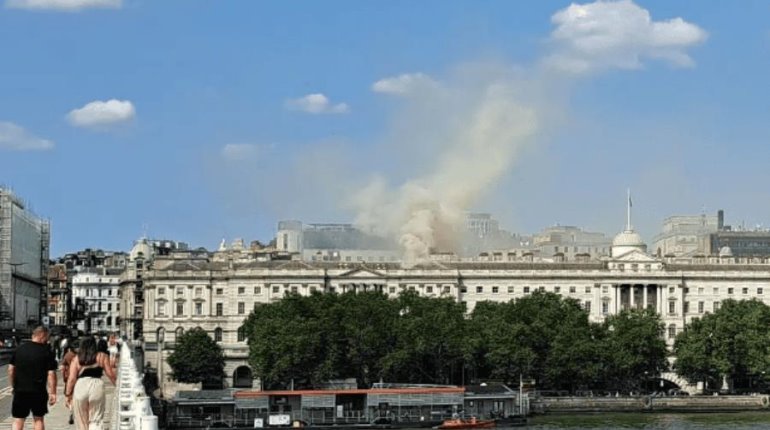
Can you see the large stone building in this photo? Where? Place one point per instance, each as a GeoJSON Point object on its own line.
{"type": "Point", "coordinates": [683, 235]}
{"type": "Point", "coordinates": [99, 290]}
{"type": "Point", "coordinates": [132, 281]}
{"type": "Point", "coordinates": [216, 292]}
{"type": "Point", "coordinates": [24, 249]}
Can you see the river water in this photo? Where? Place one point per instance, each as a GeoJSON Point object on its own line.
{"type": "Point", "coordinates": [733, 421]}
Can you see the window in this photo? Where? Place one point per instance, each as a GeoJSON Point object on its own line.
{"type": "Point", "coordinates": [180, 308]}
{"type": "Point", "coordinates": [276, 289]}
{"type": "Point", "coordinates": [447, 289]}
{"type": "Point", "coordinates": [716, 290]}
{"type": "Point", "coordinates": [605, 289]}
{"type": "Point", "coordinates": [479, 289]}
{"type": "Point", "coordinates": [109, 293]}
{"type": "Point", "coordinates": [556, 289]}
{"type": "Point", "coordinates": [700, 290]}
{"type": "Point", "coordinates": [241, 334]}
{"type": "Point", "coordinates": [760, 291]}
{"type": "Point", "coordinates": [198, 308]}
{"type": "Point", "coordinates": [100, 306]}
{"type": "Point", "coordinates": [100, 292]}
{"type": "Point", "coordinates": [701, 307]}
{"type": "Point", "coordinates": [219, 291]}
{"type": "Point", "coordinates": [572, 289]}
{"type": "Point", "coordinates": [199, 292]}
{"type": "Point", "coordinates": [672, 307]}
{"type": "Point", "coordinates": [217, 334]}
{"type": "Point", "coordinates": [495, 290]}
{"type": "Point", "coordinates": [161, 291]}
{"type": "Point", "coordinates": [526, 290]}
{"type": "Point", "coordinates": [178, 333]}
{"type": "Point", "coordinates": [671, 290]}
{"type": "Point", "coordinates": [241, 308]}
{"type": "Point", "coordinates": [109, 307]}
{"type": "Point", "coordinates": [117, 307]}
{"type": "Point", "coordinates": [510, 290]}
{"type": "Point", "coordinates": [180, 291]}
{"type": "Point", "coordinates": [730, 290]}
{"type": "Point", "coordinates": [392, 290]}
{"type": "Point", "coordinates": [219, 309]}
{"type": "Point", "coordinates": [257, 290]}
{"type": "Point", "coordinates": [542, 288]}
{"type": "Point", "coordinates": [745, 290]}
{"type": "Point", "coordinates": [672, 331]}
{"type": "Point", "coordinates": [241, 290]}
{"type": "Point", "coordinates": [605, 307]}
{"type": "Point", "coordinates": [687, 290]}
{"type": "Point", "coordinates": [109, 320]}
{"type": "Point", "coordinates": [429, 289]}
{"type": "Point", "coordinates": [161, 309]}
{"type": "Point", "coordinates": [587, 306]}
{"type": "Point", "coordinates": [716, 306]}
{"type": "Point", "coordinates": [88, 292]}
{"type": "Point", "coordinates": [686, 308]}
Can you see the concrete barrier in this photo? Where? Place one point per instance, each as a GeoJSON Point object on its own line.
{"type": "Point", "coordinates": [132, 406]}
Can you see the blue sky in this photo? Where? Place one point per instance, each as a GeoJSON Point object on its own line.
{"type": "Point", "coordinates": [202, 120]}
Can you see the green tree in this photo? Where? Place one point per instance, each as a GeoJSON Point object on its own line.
{"type": "Point", "coordinates": [197, 359]}
{"type": "Point", "coordinates": [430, 343]}
{"type": "Point", "coordinates": [287, 341]}
{"type": "Point", "coordinates": [634, 348]}
{"type": "Point", "coordinates": [541, 336]}
{"type": "Point", "coordinates": [732, 343]}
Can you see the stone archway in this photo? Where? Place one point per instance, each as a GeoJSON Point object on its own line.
{"type": "Point", "coordinates": [242, 377]}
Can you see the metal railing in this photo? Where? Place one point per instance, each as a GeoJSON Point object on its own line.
{"type": "Point", "coordinates": [131, 405]}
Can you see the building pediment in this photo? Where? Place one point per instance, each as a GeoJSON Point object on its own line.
{"type": "Point", "coordinates": [362, 272]}
{"type": "Point", "coordinates": [635, 256]}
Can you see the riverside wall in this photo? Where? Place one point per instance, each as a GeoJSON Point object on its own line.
{"type": "Point", "coordinates": [546, 405]}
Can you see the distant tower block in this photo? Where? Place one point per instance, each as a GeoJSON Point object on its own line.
{"type": "Point", "coordinates": [289, 236]}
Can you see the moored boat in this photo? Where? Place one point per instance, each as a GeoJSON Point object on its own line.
{"type": "Point", "coordinates": [469, 423]}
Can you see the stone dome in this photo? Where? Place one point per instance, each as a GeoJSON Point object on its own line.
{"type": "Point", "coordinates": [627, 241]}
{"type": "Point", "coordinates": [141, 248]}
{"type": "Point", "coordinates": [628, 238]}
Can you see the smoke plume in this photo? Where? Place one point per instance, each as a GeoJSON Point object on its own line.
{"type": "Point", "coordinates": [473, 125]}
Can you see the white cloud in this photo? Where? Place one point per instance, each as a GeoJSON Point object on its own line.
{"type": "Point", "coordinates": [100, 114]}
{"type": "Point", "coordinates": [15, 138]}
{"type": "Point", "coordinates": [618, 34]}
{"type": "Point", "coordinates": [243, 151]}
{"type": "Point", "coordinates": [63, 5]}
{"type": "Point", "coordinates": [404, 84]}
{"type": "Point", "coordinates": [316, 104]}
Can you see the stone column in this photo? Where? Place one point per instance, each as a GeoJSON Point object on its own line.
{"type": "Point", "coordinates": [644, 297]}
{"type": "Point", "coordinates": [632, 299]}
{"type": "Point", "coordinates": [616, 299]}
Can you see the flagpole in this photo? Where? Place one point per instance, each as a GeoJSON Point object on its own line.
{"type": "Point", "coordinates": [628, 210]}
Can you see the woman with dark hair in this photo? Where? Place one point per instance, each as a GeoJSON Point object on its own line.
{"type": "Point", "coordinates": [85, 388]}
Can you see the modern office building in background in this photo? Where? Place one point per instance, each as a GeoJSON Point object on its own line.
{"type": "Point", "coordinates": [24, 248]}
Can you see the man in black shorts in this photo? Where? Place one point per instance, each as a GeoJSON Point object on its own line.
{"type": "Point", "coordinates": [32, 364]}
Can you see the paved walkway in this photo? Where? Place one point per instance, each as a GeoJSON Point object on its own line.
{"type": "Point", "coordinates": [58, 414]}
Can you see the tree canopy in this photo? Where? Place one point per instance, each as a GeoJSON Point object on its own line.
{"type": "Point", "coordinates": [307, 340]}
{"type": "Point", "coordinates": [731, 343]}
{"type": "Point", "coordinates": [197, 359]}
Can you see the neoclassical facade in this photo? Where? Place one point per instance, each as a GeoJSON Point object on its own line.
{"type": "Point", "coordinates": [217, 291]}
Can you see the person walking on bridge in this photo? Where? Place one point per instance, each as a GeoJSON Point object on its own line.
{"type": "Point", "coordinates": [32, 364]}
